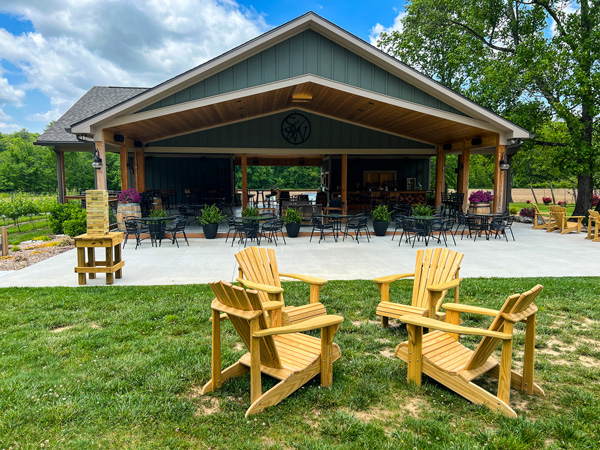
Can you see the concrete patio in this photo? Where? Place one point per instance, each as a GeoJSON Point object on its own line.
{"type": "Point", "coordinates": [535, 253]}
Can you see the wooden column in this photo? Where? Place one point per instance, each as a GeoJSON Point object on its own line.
{"type": "Point", "coordinates": [464, 176]}
{"type": "Point", "coordinates": [345, 183]}
{"type": "Point", "coordinates": [124, 171]}
{"type": "Point", "coordinates": [140, 172]}
{"type": "Point", "coordinates": [499, 180]}
{"type": "Point", "coordinates": [101, 183]}
{"type": "Point", "coordinates": [60, 174]}
{"type": "Point", "coordinates": [440, 174]}
{"type": "Point", "coordinates": [244, 180]}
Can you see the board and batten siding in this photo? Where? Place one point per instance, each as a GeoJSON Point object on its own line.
{"type": "Point", "coordinates": [265, 132]}
{"type": "Point", "coordinates": [306, 53]}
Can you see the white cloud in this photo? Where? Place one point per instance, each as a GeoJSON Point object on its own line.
{"type": "Point", "coordinates": [8, 128]}
{"type": "Point", "coordinates": [80, 43]}
{"type": "Point", "coordinates": [378, 28]}
{"type": "Point", "coordinates": [47, 117]}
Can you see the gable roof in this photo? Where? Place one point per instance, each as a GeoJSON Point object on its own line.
{"type": "Point", "coordinates": [97, 99]}
{"type": "Point", "coordinates": [315, 22]}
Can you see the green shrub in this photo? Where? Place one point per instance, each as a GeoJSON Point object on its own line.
{"type": "Point", "coordinates": [381, 214]}
{"type": "Point", "coordinates": [514, 210]}
{"type": "Point", "coordinates": [77, 224]}
{"type": "Point", "coordinates": [423, 210]}
{"type": "Point", "coordinates": [210, 214]}
{"type": "Point", "coordinates": [60, 213]}
{"type": "Point", "coordinates": [250, 211]}
{"type": "Point", "coordinates": [159, 213]}
{"type": "Point", "coordinates": [292, 216]}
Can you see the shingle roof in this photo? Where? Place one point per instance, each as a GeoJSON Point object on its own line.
{"type": "Point", "coordinates": [97, 99]}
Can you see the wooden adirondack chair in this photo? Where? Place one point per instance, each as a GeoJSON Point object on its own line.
{"type": "Point", "coordinates": [544, 218]}
{"type": "Point", "coordinates": [441, 356]}
{"type": "Point", "coordinates": [559, 221]}
{"type": "Point", "coordinates": [436, 271]}
{"type": "Point", "coordinates": [259, 267]}
{"type": "Point", "coordinates": [593, 225]}
{"type": "Point", "coordinates": [283, 353]}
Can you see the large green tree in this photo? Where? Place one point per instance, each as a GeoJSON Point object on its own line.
{"type": "Point", "coordinates": [530, 61]}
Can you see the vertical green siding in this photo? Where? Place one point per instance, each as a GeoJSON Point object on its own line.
{"type": "Point", "coordinates": [265, 132]}
{"type": "Point", "coordinates": [305, 53]}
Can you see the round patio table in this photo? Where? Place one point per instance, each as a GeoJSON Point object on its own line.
{"type": "Point", "coordinates": [336, 220]}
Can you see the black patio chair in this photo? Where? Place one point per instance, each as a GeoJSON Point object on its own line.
{"type": "Point", "coordinates": [157, 231]}
{"type": "Point", "coordinates": [188, 215]}
{"type": "Point", "coordinates": [270, 229]}
{"type": "Point", "coordinates": [231, 225]}
{"type": "Point", "coordinates": [132, 229]}
{"type": "Point", "coordinates": [178, 226]}
{"type": "Point", "coordinates": [461, 219]}
{"type": "Point", "coordinates": [324, 226]}
{"type": "Point", "coordinates": [476, 227]}
{"type": "Point", "coordinates": [357, 223]}
{"type": "Point", "coordinates": [509, 222]}
{"type": "Point", "coordinates": [244, 230]}
{"type": "Point", "coordinates": [415, 230]}
{"type": "Point", "coordinates": [443, 227]}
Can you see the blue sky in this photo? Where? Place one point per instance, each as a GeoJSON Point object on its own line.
{"type": "Point", "coordinates": [53, 51]}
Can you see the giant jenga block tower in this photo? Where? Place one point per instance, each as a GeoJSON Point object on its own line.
{"type": "Point", "coordinates": [97, 212]}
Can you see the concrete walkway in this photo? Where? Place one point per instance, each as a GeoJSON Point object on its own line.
{"type": "Point", "coordinates": [535, 253]}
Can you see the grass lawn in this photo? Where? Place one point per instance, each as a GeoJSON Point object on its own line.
{"type": "Point", "coordinates": [542, 207]}
{"type": "Point", "coordinates": [121, 367]}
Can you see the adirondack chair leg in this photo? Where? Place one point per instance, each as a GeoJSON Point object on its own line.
{"type": "Point", "coordinates": [456, 289]}
{"type": "Point", "coordinates": [415, 353]}
{"type": "Point", "coordinates": [327, 334]}
{"type": "Point", "coordinates": [384, 288]}
{"type": "Point", "coordinates": [527, 383]}
{"type": "Point", "coordinates": [236, 370]}
{"type": "Point", "coordinates": [453, 317]}
{"type": "Point", "coordinates": [283, 389]}
{"type": "Point", "coordinates": [505, 373]}
{"type": "Point", "coordinates": [255, 375]}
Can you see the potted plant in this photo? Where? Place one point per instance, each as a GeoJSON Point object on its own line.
{"type": "Point", "coordinates": [381, 220]}
{"type": "Point", "coordinates": [292, 220]}
{"type": "Point", "coordinates": [480, 202]}
{"type": "Point", "coordinates": [250, 211]}
{"type": "Point", "coordinates": [422, 210]}
{"type": "Point", "coordinates": [129, 205]}
{"type": "Point", "coordinates": [209, 218]}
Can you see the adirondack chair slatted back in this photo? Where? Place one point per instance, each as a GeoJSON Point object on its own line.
{"type": "Point", "coordinates": [260, 266]}
{"type": "Point", "coordinates": [558, 215]}
{"type": "Point", "coordinates": [514, 305]}
{"type": "Point", "coordinates": [242, 300]}
{"type": "Point", "coordinates": [433, 267]}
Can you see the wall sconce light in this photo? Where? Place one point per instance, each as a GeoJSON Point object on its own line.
{"type": "Point", "coordinates": [447, 147]}
{"type": "Point", "coordinates": [119, 138]}
{"type": "Point", "coordinates": [97, 164]}
{"type": "Point", "coordinates": [504, 165]}
{"type": "Point", "coordinates": [476, 141]}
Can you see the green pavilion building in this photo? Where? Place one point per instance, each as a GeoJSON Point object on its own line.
{"type": "Point", "coordinates": [305, 93]}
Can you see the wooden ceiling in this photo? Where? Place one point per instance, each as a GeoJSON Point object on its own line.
{"type": "Point", "coordinates": [325, 100]}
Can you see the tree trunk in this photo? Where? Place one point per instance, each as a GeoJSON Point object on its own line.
{"type": "Point", "coordinates": [584, 197]}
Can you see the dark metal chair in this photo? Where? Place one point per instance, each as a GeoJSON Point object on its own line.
{"type": "Point", "coordinates": [244, 230]}
{"type": "Point", "coordinates": [443, 227]}
{"type": "Point", "coordinates": [178, 226]}
{"type": "Point", "coordinates": [189, 216]}
{"type": "Point", "coordinates": [461, 219]}
{"type": "Point", "coordinates": [157, 231]}
{"type": "Point", "coordinates": [415, 230]}
{"type": "Point", "coordinates": [476, 226]}
{"type": "Point", "coordinates": [356, 224]}
{"type": "Point", "coordinates": [499, 225]}
{"type": "Point", "coordinates": [231, 225]}
{"type": "Point", "coordinates": [270, 229]}
{"type": "Point", "coordinates": [132, 228]}
{"type": "Point", "coordinates": [324, 226]}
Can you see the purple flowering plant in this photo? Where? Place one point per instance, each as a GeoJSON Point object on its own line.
{"type": "Point", "coordinates": [561, 203]}
{"type": "Point", "coordinates": [528, 201]}
{"type": "Point", "coordinates": [481, 197]}
{"type": "Point", "coordinates": [527, 212]}
{"type": "Point", "coordinates": [130, 196]}
{"type": "Point", "coordinates": [547, 200]}
{"type": "Point", "coordinates": [595, 200]}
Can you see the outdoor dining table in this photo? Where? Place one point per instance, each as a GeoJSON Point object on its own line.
{"type": "Point", "coordinates": [485, 219]}
{"type": "Point", "coordinates": [336, 221]}
{"type": "Point", "coordinates": [156, 226]}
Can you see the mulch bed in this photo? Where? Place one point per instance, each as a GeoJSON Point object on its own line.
{"type": "Point", "coordinates": [31, 252]}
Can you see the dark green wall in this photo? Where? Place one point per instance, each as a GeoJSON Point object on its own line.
{"type": "Point", "coordinates": [189, 173]}
{"type": "Point", "coordinates": [265, 132]}
{"type": "Point", "coordinates": [305, 53]}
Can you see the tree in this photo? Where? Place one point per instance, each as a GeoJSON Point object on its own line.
{"type": "Point", "coordinates": [527, 60]}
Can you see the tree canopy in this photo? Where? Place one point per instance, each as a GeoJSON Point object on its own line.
{"type": "Point", "coordinates": [531, 61]}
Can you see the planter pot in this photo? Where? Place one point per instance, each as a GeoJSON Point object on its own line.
{"type": "Point", "coordinates": [126, 210]}
{"type": "Point", "coordinates": [480, 208]}
{"type": "Point", "coordinates": [380, 228]}
{"type": "Point", "coordinates": [210, 230]}
{"type": "Point", "coordinates": [292, 229]}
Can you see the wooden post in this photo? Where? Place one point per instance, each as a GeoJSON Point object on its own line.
{"type": "Point", "coordinates": [464, 186]}
{"type": "Point", "coordinates": [345, 182]}
{"type": "Point", "coordinates": [4, 240]}
{"type": "Point", "coordinates": [498, 178]}
{"type": "Point", "coordinates": [244, 181]}
{"type": "Point", "coordinates": [123, 163]}
{"type": "Point", "coordinates": [101, 183]}
{"type": "Point", "coordinates": [60, 174]}
{"type": "Point", "coordinates": [140, 174]}
{"type": "Point", "coordinates": [440, 166]}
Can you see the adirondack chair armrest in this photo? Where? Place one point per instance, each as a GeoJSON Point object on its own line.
{"type": "Point", "coordinates": [579, 218]}
{"type": "Point", "coordinates": [268, 306]}
{"type": "Point", "coordinates": [461, 307]}
{"type": "Point", "coordinates": [233, 312]}
{"type": "Point", "coordinates": [307, 325]}
{"type": "Point", "coordinates": [434, 324]}
{"type": "Point", "coordinates": [260, 287]}
{"type": "Point", "coordinates": [305, 278]}
{"type": "Point", "coordinates": [391, 278]}
{"type": "Point", "coordinates": [444, 286]}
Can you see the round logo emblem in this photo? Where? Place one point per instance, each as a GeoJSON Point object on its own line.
{"type": "Point", "coordinates": [295, 128]}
